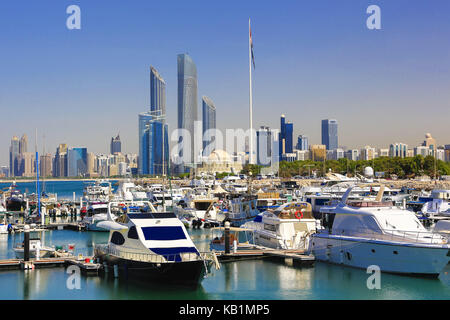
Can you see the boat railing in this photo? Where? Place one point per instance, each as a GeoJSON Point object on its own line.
{"type": "Point", "coordinates": [112, 250]}
{"type": "Point", "coordinates": [410, 236]}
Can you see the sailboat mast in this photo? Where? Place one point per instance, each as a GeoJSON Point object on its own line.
{"type": "Point", "coordinates": [37, 177]}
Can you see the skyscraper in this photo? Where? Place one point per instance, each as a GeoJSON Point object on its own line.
{"type": "Point", "coordinates": [23, 144]}
{"type": "Point", "coordinates": [153, 144]}
{"type": "Point", "coordinates": [187, 104]}
{"type": "Point", "coordinates": [302, 142]}
{"type": "Point", "coordinates": [45, 165]}
{"type": "Point", "coordinates": [153, 130]}
{"type": "Point", "coordinates": [157, 92]}
{"type": "Point", "coordinates": [116, 145]}
{"type": "Point", "coordinates": [330, 133]}
{"type": "Point", "coordinates": [209, 122]}
{"type": "Point", "coordinates": [285, 136]}
{"type": "Point", "coordinates": [14, 157]}
{"type": "Point", "coordinates": [77, 162]}
{"type": "Point", "coordinates": [264, 146]}
{"type": "Point", "coordinates": [60, 161]}
{"type": "Point", "coordinates": [430, 143]}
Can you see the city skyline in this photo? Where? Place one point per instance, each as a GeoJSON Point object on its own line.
{"type": "Point", "coordinates": [395, 78]}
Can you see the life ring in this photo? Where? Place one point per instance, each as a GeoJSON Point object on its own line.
{"type": "Point", "coordinates": [301, 214]}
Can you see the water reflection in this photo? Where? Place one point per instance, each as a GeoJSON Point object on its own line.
{"type": "Point", "coordinates": [252, 279]}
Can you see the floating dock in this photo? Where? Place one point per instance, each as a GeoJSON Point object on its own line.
{"type": "Point", "coordinates": [76, 226]}
{"type": "Point", "coordinates": [87, 267]}
{"type": "Point", "coordinates": [294, 257]}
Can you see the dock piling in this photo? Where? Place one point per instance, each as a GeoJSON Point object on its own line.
{"type": "Point", "coordinates": [26, 243]}
{"type": "Point", "coordinates": [227, 237]}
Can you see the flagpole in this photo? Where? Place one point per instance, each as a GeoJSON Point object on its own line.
{"type": "Point", "coordinates": [250, 158]}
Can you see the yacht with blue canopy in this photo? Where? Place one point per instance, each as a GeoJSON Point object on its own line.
{"type": "Point", "coordinates": [150, 245]}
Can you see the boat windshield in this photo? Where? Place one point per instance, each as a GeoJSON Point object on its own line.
{"type": "Point", "coordinates": [301, 210]}
{"type": "Point", "coordinates": [365, 204]}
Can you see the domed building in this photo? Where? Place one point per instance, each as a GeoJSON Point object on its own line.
{"type": "Point", "coordinates": [219, 161]}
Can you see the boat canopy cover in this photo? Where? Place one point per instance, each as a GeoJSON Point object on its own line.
{"type": "Point", "coordinates": [442, 226]}
{"type": "Point", "coordinates": [353, 224]}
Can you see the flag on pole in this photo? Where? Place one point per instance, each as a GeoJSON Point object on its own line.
{"type": "Point", "coordinates": [251, 43]}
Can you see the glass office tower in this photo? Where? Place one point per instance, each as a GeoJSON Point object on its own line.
{"type": "Point", "coordinates": [153, 144]}
{"type": "Point", "coordinates": [157, 92]}
{"type": "Point", "coordinates": [153, 130]}
{"type": "Point", "coordinates": [14, 157]}
{"type": "Point", "coordinates": [187, 102]}
{"type": "Point", "coordinates": [285, 136]}
{"type": "Point", "coordinates": [302, 142]}
{"type": "Point", "coordinates": [76, 162]}
{"type": "Point", "coordinates": [209, 122]}
{"type": "Point", "coordinates": [330, 133]}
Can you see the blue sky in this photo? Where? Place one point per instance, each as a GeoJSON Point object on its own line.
{"type": "Point", "coordinates": [314, 60]}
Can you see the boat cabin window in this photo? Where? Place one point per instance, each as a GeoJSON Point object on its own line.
{"type": "Point", "coordinates": [132, 233]}
{"type": "Point", "coordinates": [365, 204]}
{"type": "Point", "coordinates": [327, 220]}
{"type": "Point", "coordinates": [270, 227]}
{"type": "Point", "coordinates": [202, 205]}
{"type": "Point", "coordinates": [163, 233]}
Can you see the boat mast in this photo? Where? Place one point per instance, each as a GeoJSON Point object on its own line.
{"type": "Point", "coordinates": [37, 177]}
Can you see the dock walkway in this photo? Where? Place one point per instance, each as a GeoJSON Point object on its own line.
{"type": "Point", "coordinates": [87, 267]}
{"type": "Point", "coordinates": [296, 257]}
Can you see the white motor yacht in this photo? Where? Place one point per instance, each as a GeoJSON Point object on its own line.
{"type": "Point", "coordinates": [151, 246]}
{"type": "Point", "coordinates": [369, 232]}
{"type": "Point", "coordinates": [96, 212]}
{"type": "Point", "coordinates": [37, 250]}
{"type": "Point", "coordinates": [288, 227]}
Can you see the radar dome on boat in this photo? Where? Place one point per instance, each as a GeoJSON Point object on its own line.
{"type": "Point", "coordinates": [368, 171]}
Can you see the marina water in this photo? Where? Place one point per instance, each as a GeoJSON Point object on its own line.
{"type": "Point", "coordinates": [249, 280]}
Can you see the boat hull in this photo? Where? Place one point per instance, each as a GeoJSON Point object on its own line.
{"type": "Point", "coordinates": [408, 258]}
{"type": "Point", "coordinates": [42, 253]}
{"type": "Point", "coordinates": [185, 273]}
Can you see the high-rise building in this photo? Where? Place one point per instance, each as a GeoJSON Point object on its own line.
{"type": "Point", "coordinates": [187, 106]}
{"type": "Point", "coordinates": [14, 157]}
{"type": "Point", "coordinates": [153, 144]}
{"type": "Point", "coordinates": [318, 152]}
{"type": "Point", "coordinates": [422, 151]}
{"type": "Point", "coordinates": [77, 162]}
{"type": "Point", "coordinates": [285, 136]}
{"type": "Point", "coordinates": [430, 143]}
{"type": "Point", "coordinates": [23, 144]}
{"type": "Point", "coordinates": [45, 165]}
{"type": "Point", "coordinates": [447, 152]}
{"type": "Point", "coordinates": [352, 154]}
{"type": "Point", "coordinates": [330, 133]}
{"type": "Point", "coordinates": [302, 142]}
{"type": "Point", "coordinates": [157, 93]}
{"type": "Point", "coordinates": [383, 152]}
{"type": "Point", "coordinates": [440, 154]}
{"type": "Point", "coordinates": [27, 164]}
{"type": "Point", "coordinates": [60, 161]}
{"type": "Point", "coordinates": [264, 146]}
{"type": "Point", "coordinates": [116, 145]}
{"type": "Point", "coordinates": [91, 164]}
{"type": "Point", "coordinates": [209, 122]}
{"type": "Point", "coordinates": [398, 150]}
{"type": "Point", "coordinates": [367, 153]}
{"type": "Point", "coordinates": [153, 130]}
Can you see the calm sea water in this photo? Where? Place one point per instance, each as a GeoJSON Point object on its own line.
{"type": "Point", "coordinates": [249, 280]}
{"type": "Point", "coordinates": [64, 189]}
